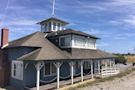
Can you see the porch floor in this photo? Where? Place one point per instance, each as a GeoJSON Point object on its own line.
{"type": "Point", "coordinates": [63, 83]}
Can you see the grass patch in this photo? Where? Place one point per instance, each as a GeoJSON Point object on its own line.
{"type": "Point", "coordinates": [120, 75]}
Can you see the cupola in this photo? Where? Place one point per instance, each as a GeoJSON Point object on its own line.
{"type": "Point", "coordinates": [52, 24]}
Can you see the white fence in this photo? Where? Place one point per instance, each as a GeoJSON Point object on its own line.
{"type": "Point", "coordinates": [107, 72]}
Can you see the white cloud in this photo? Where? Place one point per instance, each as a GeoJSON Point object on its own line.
{"type": "Point", "coordinates": [110, 6]}
{"type": "Point", "coordinates": [119, 38]}
{"type": "Point", "coordinates": [130, 20]}
{"type": "Point", "coordinates": [122, 2]}
{"type": "Point", "coordinates": [23, 22]}
{"type": "Point", "coordinates": [126, 35]}
{"type": "Point", "coordinates": [102, 44]}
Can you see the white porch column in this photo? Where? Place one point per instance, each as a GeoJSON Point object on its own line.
{"type": "Point", "coordinates": [82, 71]}
{"type": "Point", "coordinates": [38, 75]}
{"type": "Point", "coordinates": [110, 64]}
{"type": "Point", "coordinates": [58, 74]}
{"type": "Point", "coordinates": [106, 67]}
{"type": "Point", "coordinates": [72, 72]}
{"type": "Point", "coordinates": [98, 67]}
{"type": "Point", "coordinates": [91, 69]}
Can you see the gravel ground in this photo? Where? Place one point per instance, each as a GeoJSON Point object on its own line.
{"type": "Point", "coordinates": [124, 83]}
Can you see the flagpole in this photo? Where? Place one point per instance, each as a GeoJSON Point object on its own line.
{"type": "Point", "coordinates": [53, 8]}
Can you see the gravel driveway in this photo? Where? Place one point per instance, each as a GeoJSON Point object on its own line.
{"type": "Point", "coordinates": [124, 83]}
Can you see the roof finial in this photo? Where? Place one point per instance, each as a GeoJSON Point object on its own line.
{"type": "Point", "coordinates": [53, 8]}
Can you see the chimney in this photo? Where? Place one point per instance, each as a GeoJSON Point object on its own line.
{"type": "Point", "coordinates": [4, 37]}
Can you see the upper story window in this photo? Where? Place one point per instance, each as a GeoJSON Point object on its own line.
{"type": "Point", "coordinates": [83, 42]}
{"type": "Point", "coordinates": [74, 41]}
{"type": "Point", "coordinates": [62, 41]}
{"type": "Point", "coordinates": [79, 41]}
{"type": "Point", "coordinates": [65, 41]}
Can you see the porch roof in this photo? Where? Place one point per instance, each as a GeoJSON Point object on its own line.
{"type": "Point", "coordinates": [75, 54]}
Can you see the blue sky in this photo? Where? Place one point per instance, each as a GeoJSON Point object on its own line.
{"type": "Point", "coordinates": [111, 20]}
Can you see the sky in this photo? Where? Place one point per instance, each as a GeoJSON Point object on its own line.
{"type": "Point", "coordinates": [111, 20]}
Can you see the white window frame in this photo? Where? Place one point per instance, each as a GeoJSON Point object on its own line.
{"type": "Point", "coordinates": [51, 74]}
{"type": "Point", "coordinates": [19, 69]}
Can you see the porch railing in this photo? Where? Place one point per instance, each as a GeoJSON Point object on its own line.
{"type": "Point", "coordinates": [105, 72]}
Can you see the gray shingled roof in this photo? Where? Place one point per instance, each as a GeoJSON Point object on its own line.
{"type": "Point", "coordinates": [33, 40]}
{"type": "Point", "coordinates": [89, 54]}
{"type": "Point", "coordinates": [53, 18]}
{"type": "Point", "coordinates": [70, 31]}
{"type": "Point", "coordinates": [76, 54]}
{"type": "Point", "coordinates": [48, 51]}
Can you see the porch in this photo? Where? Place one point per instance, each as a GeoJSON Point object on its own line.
{"type": "Point", "coordinates": [94, 68]}
{"type": "Point", "coordinates": [62, 83]}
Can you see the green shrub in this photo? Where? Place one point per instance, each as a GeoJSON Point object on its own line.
{"type": "Point", "coordinates": [120, 59]}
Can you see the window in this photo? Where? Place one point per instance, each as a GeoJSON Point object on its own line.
{"type": "Point", "coordinates": [91, 43]}
{"type": "Point", "coordinates": [43, 28]}
{"type": "Point", "coordinates": [47, 69]}
{"type": "Point", "coordinates": [58, 26]}
{"type": "Point", "coordinates": [14, 70]}
{"type": "Point", "coordinates": [62, 41]}
{"type": "Point", "coordinates": [54, 26]}
{"type": "Point", "coordinates": [65, 41]}
{"type": "Point", "coordinates": [50, 69]}
{"type": "Point", "coordinates": [87, 65]}
{"type": "Point", "coordinates": [46, 27]}
{"type": "Point", "coordinates": [77, 65]}
{"type": "Point", "coordinates": [17, 70]}
{"type": "Point", "coordinates": [49, 28]}
{"type": "Point", "coordinates": [79, 42]}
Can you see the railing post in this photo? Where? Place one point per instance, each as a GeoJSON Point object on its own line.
{"type": "Point", "coordinates": [58, 74]}
{"type": "Point", "coordinates": [72, 72]}
{"type": "Point", "coordinates": [91, 69]}
{"type": "Point", "coordinates": [98, 67]}
{"type": "Point", "coordinates": [38, 75]}
{"type": "Point", "coordinates": [82, 71]}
